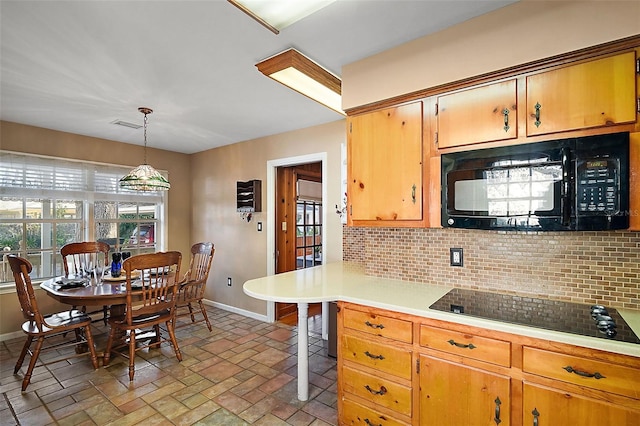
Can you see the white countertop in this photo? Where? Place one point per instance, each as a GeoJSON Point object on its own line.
{"type": "Point", "coordinates": [347, 282]}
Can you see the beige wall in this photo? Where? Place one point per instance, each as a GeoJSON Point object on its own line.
{"type": "Point", "coordinates": [519, 33]}
{"type": "Point", "coordinates": [34, 140]}
{"type": "Point", "coordinates": [241, 251]}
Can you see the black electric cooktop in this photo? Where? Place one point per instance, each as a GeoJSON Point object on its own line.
{"type": "Point", "coordinates": [576, 318]}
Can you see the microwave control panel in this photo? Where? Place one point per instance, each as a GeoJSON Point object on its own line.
{"type": "Point", "coordinates": [597, 183]}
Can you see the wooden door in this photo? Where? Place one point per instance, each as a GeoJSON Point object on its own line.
{"type": "Point", "coordinates": [554, 407]}
{"type": "Point", "coordinates": [456, 394]}
{"type": "Point", "coordinates": [385, 165]}
{"type": "Point", "coordinates": [481, 114]}
{"type": "Point", "coordinates": [592, 94]}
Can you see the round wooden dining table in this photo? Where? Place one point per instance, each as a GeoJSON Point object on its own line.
{"type": "Point", "coordinates": [97, 292]}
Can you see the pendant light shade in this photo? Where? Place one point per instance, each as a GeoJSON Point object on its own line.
{"type": "Point", "coordinates": [145, 177]}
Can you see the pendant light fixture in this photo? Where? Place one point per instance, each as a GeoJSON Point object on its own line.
{"type": "Point", "coordinates": [145, 177]}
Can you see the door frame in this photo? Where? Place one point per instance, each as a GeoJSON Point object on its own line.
{"type": "Point", "coordinates": [272, 165]}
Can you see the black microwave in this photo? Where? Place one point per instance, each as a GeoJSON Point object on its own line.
{"type": "Point", "coordinates": [561, 185]}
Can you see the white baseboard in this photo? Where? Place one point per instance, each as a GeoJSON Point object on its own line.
{"type": "Point", "coordinates": [13, 335]}
{"type": "Point", "coordinates": [16, 334]}
{"type": "Point", "coordinates": [235, 310]}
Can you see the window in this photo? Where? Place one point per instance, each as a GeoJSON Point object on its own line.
{"type": "Point", "coordinates": [47, 202]}
{"type": "Point", "coordinates": [308, 234]}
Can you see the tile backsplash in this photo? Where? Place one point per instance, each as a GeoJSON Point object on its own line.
{"type": "Point", "coordinates": [583, 267]}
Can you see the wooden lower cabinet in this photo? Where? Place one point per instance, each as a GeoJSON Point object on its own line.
{"type": "Point", "coordinates": [455, 394]}
{"type": "Point", "coordinates": [400, 369]}
{"type": "Point", "coordinates": [544, 406]}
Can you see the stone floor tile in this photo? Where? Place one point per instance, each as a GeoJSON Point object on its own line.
{"type": "Point", "coordinates": [243, 372]}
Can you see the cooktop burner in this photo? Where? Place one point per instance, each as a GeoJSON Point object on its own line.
{"type": "Point", "coordinates": [587, 320]}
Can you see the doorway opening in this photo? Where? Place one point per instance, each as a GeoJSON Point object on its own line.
{"type": "Point", "coordinates": [299, 221]}
{"type": "Point", "coordinates": [273, 225]}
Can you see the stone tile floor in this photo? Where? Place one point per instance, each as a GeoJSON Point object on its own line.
{"type": "Point", "coordinates": [244, 372]}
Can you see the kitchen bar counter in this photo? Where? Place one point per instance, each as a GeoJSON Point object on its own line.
{"type": "Point", "coordinates": [347, 282]}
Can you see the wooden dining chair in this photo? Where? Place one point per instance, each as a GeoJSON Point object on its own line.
{"type": "Point", "coordinates": [155, 284]}
{"type": "Point", "coordinates": [39, 328]}
{"type": "Point", "coordinates": [192, 286]}
{"type": "Point", "coordinates": [80, 258]}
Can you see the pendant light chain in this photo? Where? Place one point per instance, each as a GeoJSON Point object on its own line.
{"type": "Point", "coordinates": [145, 138]}
{"type": "Point", "coordinates": [145, 177]}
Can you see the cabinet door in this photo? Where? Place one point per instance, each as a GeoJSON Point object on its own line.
{"type": "Point", "coordinates": [481, 114]}
{"type": "Point", "coordinates": [385, 164]}
{"type": "Point", "coordinates": [591, 94]}
{"type": "Point", "coordinates": [549, 407]}
{"type": "Point", "coordinates": [455, 394]}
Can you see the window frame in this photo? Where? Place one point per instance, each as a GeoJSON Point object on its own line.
{"type": "Point", "coordinates": [25, 178]}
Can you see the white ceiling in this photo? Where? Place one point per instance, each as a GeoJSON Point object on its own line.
{"type": "Point", "coordinates": [77, 66]}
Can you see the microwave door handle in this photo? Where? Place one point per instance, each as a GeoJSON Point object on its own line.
{"type": "Point", "coordinates": [565, 202]}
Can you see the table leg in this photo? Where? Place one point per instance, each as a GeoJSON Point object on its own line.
{"type": "Point", "coordinates": [303, 351]}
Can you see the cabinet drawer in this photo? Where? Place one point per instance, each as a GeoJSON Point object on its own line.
{"type": "Point", "coordinates": [379, 391]}
{"type": "Point", "coordinates": [590, 373]}
{"type": "Point", "coordinates": [385, 358]}
{"type": "Point", "coordinates": [379, 325]}
{"type": "Point", "coordinates": [475, 347]}
{"type": "Point", "coordinates": [356, 414]}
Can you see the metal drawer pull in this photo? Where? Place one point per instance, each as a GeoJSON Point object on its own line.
{"type": "Point", "coordinates": [497, 417]}
{"type": "Point", "coordinates": [370, 355]}
{"type": "Point", "coordinates": [505, 112]}
{"type": "Point", "coordinates": [461, 345]}
{"type": "Point", "coordinates": [595, 375]}
{"type": "Point", "coordinates": [536, 414]}
{"type": "Point", "coordinates": [367, 421]}
{"type": "Point", "coordinates": [368, 324]}
{"type": "Point", "coordinates": [537, 122]}
{"type": "Point", "coordinates": [382, 390]}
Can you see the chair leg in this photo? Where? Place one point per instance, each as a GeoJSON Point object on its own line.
{"type": "Point", "coordinates": [25, 348]}
{"type": "Point", "coordinates": [204, 314]}
{"type": "Point", "coordinates": [107, 351]}
{"type": "Point", "coordinates": [92, 349]}
{"type": "Point", "coordinates": [158, 338]}
{"type": "Point", "coordinates": [132, 355]}
{"type": "Point", "coordinates": [193, 318]}
{"type": "Point", "coordinates": [172, 335]}
{"type": "Point", "coordinates": [105, 314]}
{"type": "Point", "coordinates": [32, 363]}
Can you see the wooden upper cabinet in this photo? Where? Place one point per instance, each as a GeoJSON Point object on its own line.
{"type": "Point", "coordinates": [385, 159]}
{"type": "Point", "coordinates": [481, 114]}
{"type": "Point", "coordinates": [591, 94]}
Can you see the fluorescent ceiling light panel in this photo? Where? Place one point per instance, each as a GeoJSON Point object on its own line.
{"type": "Point", "coordinates": [278, 14]}
{"type": "Point", "coordinates": [303, 75]}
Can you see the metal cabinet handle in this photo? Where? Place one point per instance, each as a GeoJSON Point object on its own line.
{"type": "Point", "coordinates": [369, 423]}
{"type": "Point", "coordinates": [595, 375]}
{"type": "Point", "coordinates": [536, 414]}
{"type": "Point", "coordinates": [370, 355]}
{"type": "Point", "coordinates": [505, 112]}
{"type": "Point", "coordinates": [497, 414]}
{"type": "Point", "coordinates": [382, 390]}
{"type": "Point", "coordinates": [461, 345]}
{"type": "Point", "coordinates": [379, 326]}
{"type": "Point", "coordinates": [413, 194]}
{"type": "Point", "coordinates": [537, 122]}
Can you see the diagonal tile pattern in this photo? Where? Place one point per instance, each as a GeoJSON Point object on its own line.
{"type": "Point", "coordinates": [242, 373]}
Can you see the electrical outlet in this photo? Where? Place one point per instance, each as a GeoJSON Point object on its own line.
{"type": "Point", "coordinates": [455, 257]}
{"type": "Point", "coordinates": [229, 281]}
{"type": "Point", "coordinates": [259, 226]}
